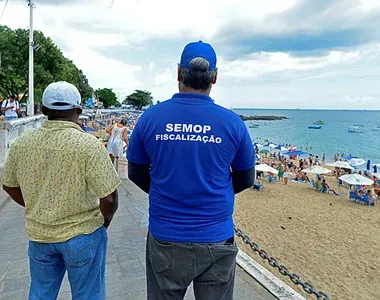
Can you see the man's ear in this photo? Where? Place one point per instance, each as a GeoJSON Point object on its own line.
{"type": "Point", "coordinates": [179, 75]}
{"type": "Point", "coordinates": [215, 78]}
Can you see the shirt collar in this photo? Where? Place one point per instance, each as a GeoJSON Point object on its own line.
{"type": "Point", "coordinates": [56, 125]}
{"type": "Point", "coordinates": [192, 98]}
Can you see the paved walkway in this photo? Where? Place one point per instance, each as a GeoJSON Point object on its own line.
{"type": "Point", "coordinates": [126, 254]}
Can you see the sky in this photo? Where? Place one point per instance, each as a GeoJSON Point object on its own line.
{"type": "Point", "coordinates": [322, 54]}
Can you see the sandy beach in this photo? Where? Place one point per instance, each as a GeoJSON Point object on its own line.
{"type": "Point", "coordinates": [328, 240]}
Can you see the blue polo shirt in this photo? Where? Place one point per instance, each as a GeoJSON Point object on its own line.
{"type": "Point", "coordinates": [191, 144]}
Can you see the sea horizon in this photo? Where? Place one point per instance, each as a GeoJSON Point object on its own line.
{"type": "Point", "coordinates": [309, 109]}
{"type": "Point", "coordinates": [333, 137]}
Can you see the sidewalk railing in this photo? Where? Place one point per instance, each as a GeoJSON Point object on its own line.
{"type": "Point", "coordinates": [11, 130]}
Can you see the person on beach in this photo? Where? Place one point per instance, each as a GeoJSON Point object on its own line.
{"type": "Point", "coordinates": [192, 156]}
{"type": "Point", "coordinates": [115, 144]}
{"type": "Point", "coordinates": [69, 189]}
{"type": "Point", "coordinates": [281, 172]}
{"type": "Point", "coordinates": [286, 174]}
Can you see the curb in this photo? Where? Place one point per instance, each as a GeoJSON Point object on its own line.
{"type": "Point", "coordinates": [274, 285]}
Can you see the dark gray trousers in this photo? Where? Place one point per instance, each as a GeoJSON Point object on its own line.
{"type": "Point", "coordinates": [171, 267]}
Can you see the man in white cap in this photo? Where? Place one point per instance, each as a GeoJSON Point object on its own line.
{"type": "Point", "coordinates": [68, 174]}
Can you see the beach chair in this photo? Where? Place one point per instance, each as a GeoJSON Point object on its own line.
{"type": "Point", "coordinates": [365, 199]}
{"type": "Point", "coordinates": [313, 184]}
{"type": "Point", "coordinates": [353, 195]}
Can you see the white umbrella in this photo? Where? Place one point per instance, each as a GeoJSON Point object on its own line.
{"type": "Point", "coordinates": [341, 165]}
{"type": "Point", "coordinates": [265, 168]}
{"type": "Point", "coordinates": [82, 117]}
{"type": "Point", "coordinates": [317, 170]}
{"type": "Point", "coordinates": [356, 179]}
{"type": "Point", "coordinates": [259, 145]}
{"type": "Point", "coordinates": [357, 162]}
{"type": "Point", "coordinates": [377, 175]}
{"type": "Point", "coordinates": [283, 149]}
{"type": "Point", "coordinates": [272, 146]}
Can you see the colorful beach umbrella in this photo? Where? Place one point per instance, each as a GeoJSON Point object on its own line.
{"type": "Point", "coordinates": [295, 153]}
{"type": "Point", "coordinates": [356, 179]}
{"type": "Point", "coordinates": [264, 151]}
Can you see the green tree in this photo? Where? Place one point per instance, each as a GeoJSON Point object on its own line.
{"type": "Point", "coordinates": [107, 96]}
{"type": "Point", "coordinates": [139, 99]}
{"type": "Point", "coordinates": [49, 65]}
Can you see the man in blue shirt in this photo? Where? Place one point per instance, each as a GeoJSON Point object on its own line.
{"type": "Point", "coordinates": [192, 156]}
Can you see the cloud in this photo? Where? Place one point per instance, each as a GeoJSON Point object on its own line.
{"type": "Point", "coordinates": [288, 53]}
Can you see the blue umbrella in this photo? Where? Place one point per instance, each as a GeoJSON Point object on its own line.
{"type": "Point", "coordinates": [368, 165]}
{"type": "Point", "coordinates": [295, 153]}
{"type": "Point", "coordinates": [350, 157]}
{"type": "Point", "coordinates": [279, 146]}
{"type": "Point", "coordinates": [89, 129]}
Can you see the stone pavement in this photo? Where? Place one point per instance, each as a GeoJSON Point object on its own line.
{"type": "Point", "coordinates": [125, 261]}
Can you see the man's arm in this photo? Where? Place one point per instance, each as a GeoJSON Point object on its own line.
{"type": "Point", "coordinates": [139, 175]}
{"type": "Point", "coordinates": [243, 165]}
{"type": "Point", "coordinates": [15, 194]}
{"type": "Point", "coordinates": [102, 177]}
{"type": "Point", "coordinates": [242, 180]}
{"type": "Point", "coordinates": [108, 207]}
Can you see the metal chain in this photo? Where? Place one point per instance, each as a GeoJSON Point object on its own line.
{"type": "Point", "coordinates": [296, 279]}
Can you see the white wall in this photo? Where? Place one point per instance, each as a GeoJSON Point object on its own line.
{"type": "Point", "coordinates": [10, 130]}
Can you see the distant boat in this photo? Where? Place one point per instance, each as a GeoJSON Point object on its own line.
{"type": "Point", "coordinates": [356, 129]}
{"type": "Point", "coordinates": [319, 122]}
{"type": "Point", "coordinates": [253, 125]}
{"type": "Point", "coordinates": [315, 126]}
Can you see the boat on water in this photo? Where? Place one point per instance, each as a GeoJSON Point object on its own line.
{"type": "Point", "coordinates": [315, 126]}
{"type": "Point", "coordinates": [253, 125]}
{"type": "Point", "coordinates": [319, 122]}
{"type": "Point", "coordinates": [356, 129]}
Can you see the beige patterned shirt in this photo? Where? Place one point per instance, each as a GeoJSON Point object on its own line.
{"type": "Point", "coordinates": [62, 172]}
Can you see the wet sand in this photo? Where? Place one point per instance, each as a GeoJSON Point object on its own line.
{"type": "Point", "coordinates": [328, 240]}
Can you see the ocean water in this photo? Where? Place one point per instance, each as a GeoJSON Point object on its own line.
{"type": "Point", "coordinates": [332, 138]}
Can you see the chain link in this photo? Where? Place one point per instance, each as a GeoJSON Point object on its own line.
{"type": "Point", "coordinates": [294, 277]}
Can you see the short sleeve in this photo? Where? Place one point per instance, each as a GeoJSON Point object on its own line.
{"type": "Point", "coordinates": [3, 104]}
{"type": "Point", "coordinates": [136, 152]}
{"type": "Point", "coordinates": [101, 175]}
{"type": "Point", "coordinates": [245, 156]}
{"type": "Point", "coordinates": [10, 170]}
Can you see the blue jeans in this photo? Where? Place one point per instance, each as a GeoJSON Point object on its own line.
{"type": "Point", "coordinates": [84, 258]}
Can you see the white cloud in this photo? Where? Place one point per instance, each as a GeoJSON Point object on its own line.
{"type": "Point", "coordinates": [164, 78]}
{"type": "Point", "coordinates": [344, 77]}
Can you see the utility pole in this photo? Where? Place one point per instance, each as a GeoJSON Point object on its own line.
{"type": "Point", "coordinates": [31, 61]}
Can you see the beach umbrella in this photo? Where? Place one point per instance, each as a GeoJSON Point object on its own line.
{"type": "Point", "coordinates": [295, 153]}
{"type": "Point", "coordinates": [265, 168]}
{"type": "Point", "coordinates": [89, 129]}
{"type": "Point", "coordinates": [356, 179]}
{"type": "Point", "coordinates": [349, 157]}
{"type": "Point", "coordinates": [356, 161]}
{"type": "Point", "coordinates": [281, 148]}
{"type": "Point", "coordinates": [264, 151]}
{"type": "Point", "coordinates": [377, 175]}
{"type": "Point", "coordinates": [374, 169]}
{"type": "Point", "coordinates": [317, 170]}
{"type": "Point", "coordinates": [341, 165]}
{"type": "Point", "coordinates": [272, 146]}
{"type": "Point", "coordinates": [368, 165]}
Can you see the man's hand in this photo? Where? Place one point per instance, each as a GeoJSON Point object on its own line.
{"type": "Point", "coordinates": [107, 223]}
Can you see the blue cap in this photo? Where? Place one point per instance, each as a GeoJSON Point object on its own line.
{"type": "Point", "coordinates": [198, 49]}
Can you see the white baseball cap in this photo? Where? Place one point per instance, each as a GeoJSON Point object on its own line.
{"type": "Point", "coordinates": [61, 95]}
